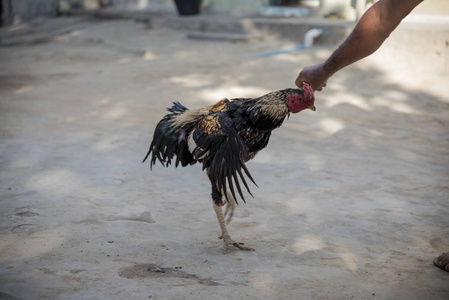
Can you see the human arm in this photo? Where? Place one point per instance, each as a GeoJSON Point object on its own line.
{"type": "Point", "coordinates": [368, 35]}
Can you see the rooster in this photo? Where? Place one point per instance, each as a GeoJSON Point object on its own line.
{"type": "Point", "coordinates": [223, 137]}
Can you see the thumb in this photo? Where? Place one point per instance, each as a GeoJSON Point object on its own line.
{"type": "Point", "coordinates": [299, 82]}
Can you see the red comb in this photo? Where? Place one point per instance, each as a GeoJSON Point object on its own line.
{"type": "Point", "coordinates": [308, 90]}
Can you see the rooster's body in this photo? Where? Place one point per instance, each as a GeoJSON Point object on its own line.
{"type": "Point", "coordinates": [223, 137]}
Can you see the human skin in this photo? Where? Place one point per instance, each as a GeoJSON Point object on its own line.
{"type": "Point", "coordinates": [371, 31]}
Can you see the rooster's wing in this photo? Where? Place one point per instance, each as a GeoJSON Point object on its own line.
{"type": "Point", "coordinates": [223, 152]}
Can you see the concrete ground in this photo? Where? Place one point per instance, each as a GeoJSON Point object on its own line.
{"type": "Point", "coordinates": [352, 200]}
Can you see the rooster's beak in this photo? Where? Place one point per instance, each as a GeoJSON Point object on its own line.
{"type": "Point", "coordinates": [312, 107]}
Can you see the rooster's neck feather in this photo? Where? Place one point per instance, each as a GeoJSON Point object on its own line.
{"type": "Point", "coordinates": [269, 110]}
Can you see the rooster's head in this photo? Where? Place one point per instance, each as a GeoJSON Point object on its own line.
{"type": "Point", "coordinates": [300, 99]}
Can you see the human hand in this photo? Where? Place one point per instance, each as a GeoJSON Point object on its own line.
{"type": "Point", "coordinates": [314, 76]}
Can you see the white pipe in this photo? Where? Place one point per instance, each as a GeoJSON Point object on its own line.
{"type": "Point", "coordinates": [311, 35]}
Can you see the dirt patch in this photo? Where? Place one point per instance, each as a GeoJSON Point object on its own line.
{"type": "Point", "coordinates": [155, 271]}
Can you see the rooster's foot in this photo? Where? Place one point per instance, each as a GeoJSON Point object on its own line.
{"type": "Point", "coordinates": [230, 242]}
{"type": "Point", "coordinates": [224, 232]}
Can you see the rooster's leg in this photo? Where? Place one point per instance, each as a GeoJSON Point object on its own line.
{"type": "Point", "coordinates": [224, 232]}
{"type": "Point", "coordinates": [230, 207]}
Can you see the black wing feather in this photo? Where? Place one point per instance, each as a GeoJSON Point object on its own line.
{"type": "Point", "coordinates": [219, 147]}
{"type": "Point", "coordinates": [227, 154]}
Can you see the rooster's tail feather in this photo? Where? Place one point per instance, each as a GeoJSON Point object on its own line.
{"type": "Point", "coordinates": [170, 140]}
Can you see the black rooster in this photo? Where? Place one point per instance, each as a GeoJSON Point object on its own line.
{"type": "Point", "coordinates": [223, 137]}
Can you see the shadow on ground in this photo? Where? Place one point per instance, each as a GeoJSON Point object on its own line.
{"type": "Point", "coordinates": [352, 199]}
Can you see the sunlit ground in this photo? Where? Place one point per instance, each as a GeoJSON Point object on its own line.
{"type": "Point", "coordinates": [352, 199]}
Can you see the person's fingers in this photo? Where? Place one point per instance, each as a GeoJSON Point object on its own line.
{"type": "Point", "coordinates": [299, 82]}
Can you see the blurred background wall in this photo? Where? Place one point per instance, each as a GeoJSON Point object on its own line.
{"type": "Point", "coordinates": [16, 11]}
{"type": "Point", "coordinates": [19, 10]}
